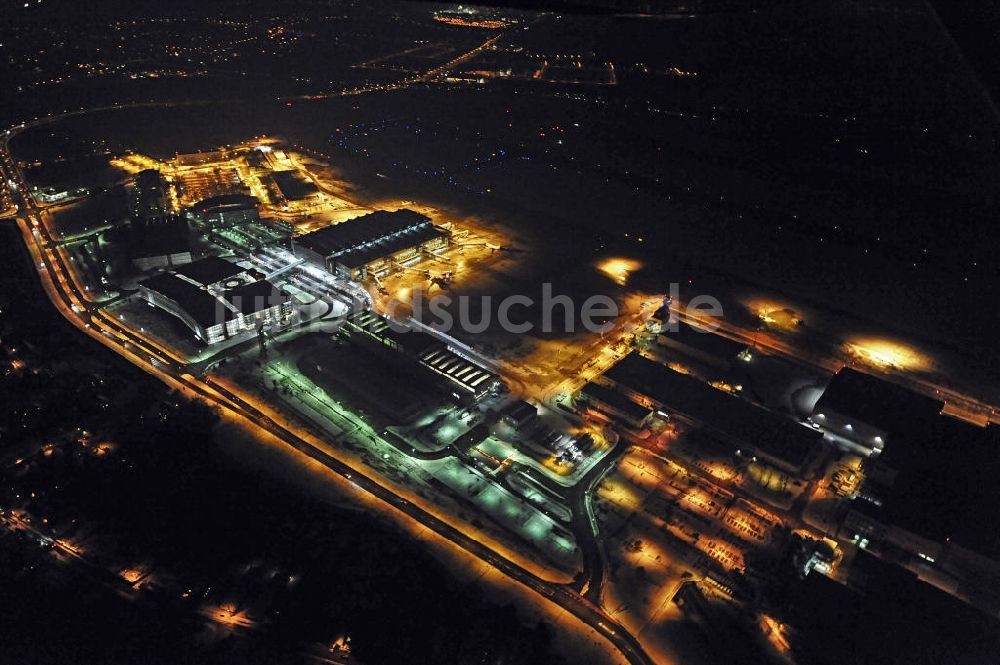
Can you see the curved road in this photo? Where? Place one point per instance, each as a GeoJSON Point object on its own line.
{"type": "Point", "coordinates": [58, 281]}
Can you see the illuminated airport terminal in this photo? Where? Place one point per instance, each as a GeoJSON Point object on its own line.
{"type": "Point", "coordinates": [376, 244]}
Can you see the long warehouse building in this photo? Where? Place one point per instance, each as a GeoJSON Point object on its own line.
{"type": "Point", "coordinates": [377, 244]}
{"type": "Point", "coordinates": [781, 441]}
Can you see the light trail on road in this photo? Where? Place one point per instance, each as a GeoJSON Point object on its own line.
{"type": "Point", "coordinates": [59, 283]}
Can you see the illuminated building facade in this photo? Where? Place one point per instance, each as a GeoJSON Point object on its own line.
{"type": "Point", "coordinates": [375, 244]}
{"type": "Point", "coordinates": [217, 299]}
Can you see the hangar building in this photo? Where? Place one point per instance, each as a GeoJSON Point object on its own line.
{"type": "Point", "coordinates": [216, 299]}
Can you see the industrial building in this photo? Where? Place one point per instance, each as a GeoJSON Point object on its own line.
{"type": "Point", "coordinates": [375, 244]}
{"type": "Point", "coordinates": [533, 436]}
{"type": "Point", "coordinates": [156, 242]}
{"type": "Point", "coordinates": [217, 299]}
{"type": "Point", "coordinates": [701, 343]}
{"type": "Point", "coordinates": [923, 498]}
{"type": "Point", "coordinates": [927, 483]}
{"type": "Point", "coordinates": [226, 210]}
{"type": "Point", "coordinates": [292, 186]}
{"type": "Point", "coordinates": [257, 161]}
{"type": "Point", "coordinates": [520, 414]}
{"type": "Point", "coordinates": [877, 608]}
{"type": "Point", "coordinates": [867, 410]}
{"type": "Point", "coordinates": [431, 358]}
{"type": "Point", "coordinates": [613, 403]}
{"type": "Point", "coordinates": [750, 429]}
{"type": "Point", "coordinates": [212, 273]}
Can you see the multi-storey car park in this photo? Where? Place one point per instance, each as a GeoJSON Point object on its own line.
{"type": "Point", "coordinates": [429, 357]}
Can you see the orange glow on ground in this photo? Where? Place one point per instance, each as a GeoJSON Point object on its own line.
{"type": "Point", "coordinates": [229, 615]}
{"type": "Point", "coordinates": [721, 472]}
{"type": "Point", "coordinates": [131, 575]}
{"type": "Point", "coordinates": [776, 315]}
{"type": "Point", "coordinates": [884, 353]}
{"type": "Point", "coordinates": [774, 630]}
{"type": "Point", "coordinates": [619, 269]}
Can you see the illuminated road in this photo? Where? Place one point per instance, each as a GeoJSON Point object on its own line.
{"type": "Point", "coordinates": [419, 78]}
{"type": "Point", "coordinates": [451, 64]}
{"type": "Point", "coordinates": [58, 279]}
{"type": "Point", "coordinates": [586, 528]}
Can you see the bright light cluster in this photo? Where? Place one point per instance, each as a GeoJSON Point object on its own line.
{"type": "Point", "coordinates": [619, 268]}
{"type": "Point", "coordinates": [775, 315]}
{"type": "Point", "coordinates": [887, 353]}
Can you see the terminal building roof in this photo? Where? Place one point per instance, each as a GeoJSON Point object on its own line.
{"type": "Point", "coordinates": [360, 256]}
{"type": "Point", "coordinates": [730, 416]}
{"type": "Point", "coordinates": [373, 234]}
{"type": "Point", "coordinates": [224, 201]}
